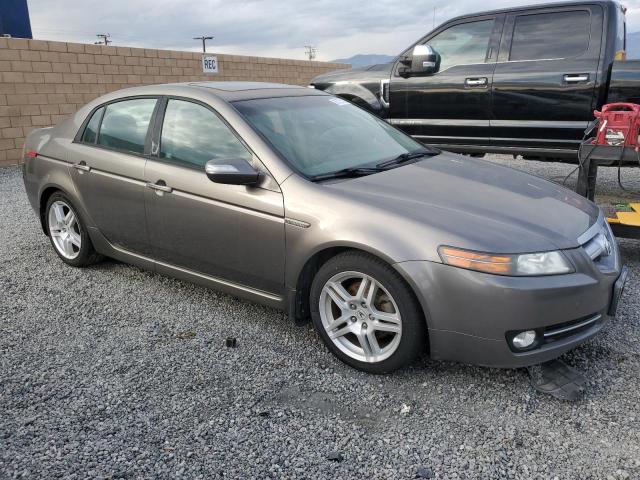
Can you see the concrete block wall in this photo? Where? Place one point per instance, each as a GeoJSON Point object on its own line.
{"type": "Point", "coordinates": [42, 82]}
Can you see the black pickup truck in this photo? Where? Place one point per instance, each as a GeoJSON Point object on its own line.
{"type": "Point", "coordinates": [522, 80]}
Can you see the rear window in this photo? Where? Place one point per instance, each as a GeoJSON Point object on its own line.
{"type": "Point", "coordinates": [125, 124]}
{"type": "Point", "coordinates": [550, 35]}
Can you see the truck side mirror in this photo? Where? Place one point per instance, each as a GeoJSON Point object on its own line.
{"type": "Point", "coordinates": [424, 60]}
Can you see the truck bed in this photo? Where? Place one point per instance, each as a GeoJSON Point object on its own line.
{"type": "Point", "coordinates": [625, 82]}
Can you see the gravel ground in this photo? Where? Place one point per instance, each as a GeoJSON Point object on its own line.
{"type": "Point", "coordinates": [114, 372]}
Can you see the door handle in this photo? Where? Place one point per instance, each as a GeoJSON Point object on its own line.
{"type": "Point", "coordinates": [575, 78]}
{"type": "Point", "coordinates": [82, 167]}
{"type": "Point", "coordinates": [476, 82]}
{"type": "Point", "coordinates": [159, 188]}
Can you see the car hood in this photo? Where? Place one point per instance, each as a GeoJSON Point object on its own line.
{"type": "Point", "coordinates": [369, 73]}
{"type": "Point", "coordinates": [476, 204]}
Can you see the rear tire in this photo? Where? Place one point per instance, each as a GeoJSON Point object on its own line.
{"type": "Point", "coordinates": [366, 314]}
{"type": "Point", "coordinates": [68, 233]}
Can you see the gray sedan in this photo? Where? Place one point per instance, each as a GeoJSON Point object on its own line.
{"type": "Point", "coordinates": [299, 200]}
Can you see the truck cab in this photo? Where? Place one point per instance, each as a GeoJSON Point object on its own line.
{"type": "Point", "coordinates": [522, 81]}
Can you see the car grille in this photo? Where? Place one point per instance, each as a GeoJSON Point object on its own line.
{"type": "Point", "coordinates": [567, 329]}
{"type": "Point", "coordinates": [600, 245]}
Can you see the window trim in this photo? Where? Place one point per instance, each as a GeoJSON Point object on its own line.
{"type": "Point", "coordinates": [158, 126]}
{"type": "Point", "coordinates": [95, 144]}
{"type": "Point", "coordinates": [86, 124]}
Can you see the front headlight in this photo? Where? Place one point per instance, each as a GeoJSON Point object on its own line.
{"type": "Point", "coordinates": [526, 264]}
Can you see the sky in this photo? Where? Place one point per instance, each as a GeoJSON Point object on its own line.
{"type": "Point", "coordinates": [270, 28]}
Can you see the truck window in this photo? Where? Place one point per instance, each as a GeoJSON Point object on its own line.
{"type": "Point", "coordinates": [463, 44]}
{"type": "Point", "coordinates": [550, 35]}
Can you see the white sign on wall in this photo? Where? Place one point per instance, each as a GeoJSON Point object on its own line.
{"type": "Point", "coordinates": [209, 64]}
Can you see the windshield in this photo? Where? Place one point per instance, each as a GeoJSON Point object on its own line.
{"type": "Point", "coordinates": [322, 134]}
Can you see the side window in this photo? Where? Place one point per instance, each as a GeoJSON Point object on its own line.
{"type": "Point", "coordinates": [192, 135]}
{"type": "Point", "coordinates": [550, 35]}
{"type": "Point", "coordinates": [91, 130]}
{"type": "Point", "coordinates": [462, 44]}
{"type": "Point", "coordinates": [125, 124]}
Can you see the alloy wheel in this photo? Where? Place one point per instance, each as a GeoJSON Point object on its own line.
{"type": "Point", "coordinates": [360, 316]}
{"type": "Point", "coordinates": [64, 229]}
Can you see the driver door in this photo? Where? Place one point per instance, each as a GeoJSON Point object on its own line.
{"type": "Point", "coordinates": [230, 232]}
{"type": "Point", "coordinates": [453, 105]}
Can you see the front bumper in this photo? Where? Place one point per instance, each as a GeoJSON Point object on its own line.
{"type": "Point", "coordinates": [471, 315]}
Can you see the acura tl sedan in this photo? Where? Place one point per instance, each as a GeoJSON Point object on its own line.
{"type": "Point", "coordinates": [299, 200]}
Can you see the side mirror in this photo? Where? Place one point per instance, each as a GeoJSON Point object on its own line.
{"type": "Point", "coordinates": [235, 171]}
{"type": "Point", "coordinates": [424, 60]}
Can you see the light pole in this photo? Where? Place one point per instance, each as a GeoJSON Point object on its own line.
{"type": "Point", "coordinates": [310, 51]}
{"type": "Point", "coordinates": [104, 39]}
{"type": "Point", "coordinates": [204, 39]}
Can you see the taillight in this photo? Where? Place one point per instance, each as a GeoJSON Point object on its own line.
{"type": "Point", "coordinates": [31, 154]}
{"type": "Point", "coordinates": [621, 55]}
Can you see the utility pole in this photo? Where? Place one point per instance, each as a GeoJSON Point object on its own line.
{"type": "Point", "coordinates": [104, 39]}
{"type": "Point", "coordinates": [204, 39]}
{"type": "Point", "coordinates": [310, 52]}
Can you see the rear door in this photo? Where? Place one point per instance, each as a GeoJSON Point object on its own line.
{"type": "Point", "coordinates": [230, 232]}
{"type": "Point", "coordinates": [545, 78]}
{"type": "Point", "coordinates": [452, 106]}
{"type": "Point", "coordinates": [109, 157]}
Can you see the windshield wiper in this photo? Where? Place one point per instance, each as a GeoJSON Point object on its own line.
{"type": "Point", "coordinates": [347, 172]}
{"type": "Point", "coordinates": [405, 157]}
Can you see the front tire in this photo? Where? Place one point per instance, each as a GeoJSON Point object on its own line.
{"type": "Point", "coordinates": [68, 233]}
{"type": "Point", "coordinates": [366, 314]}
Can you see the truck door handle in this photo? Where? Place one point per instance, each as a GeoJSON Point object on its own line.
{"type": "Point", "coordinates": [575, 78]}
{"type": "Point", "coordinates": [476, 82]}
{"type": "Point", "coordinates": [82, 167]}
{"type": "Point", "coordinates": [159, 187]}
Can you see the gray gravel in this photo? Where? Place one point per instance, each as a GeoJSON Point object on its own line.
{"type": "Point", "coordinates": [116, 372]}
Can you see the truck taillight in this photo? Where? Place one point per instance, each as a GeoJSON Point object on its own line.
{"type": "Point", "coordinates": [621, 55]}
{"type": "Point", "coordinates": [31, 154]}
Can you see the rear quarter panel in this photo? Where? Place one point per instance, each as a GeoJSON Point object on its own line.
{"type": "Point", "coordinates": [49, 170]}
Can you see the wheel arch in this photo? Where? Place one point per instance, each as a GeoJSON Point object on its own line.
{"type": "Point", "coordinates": [299, 308]}
{"type": "Point", "coordinates": [45, 195]}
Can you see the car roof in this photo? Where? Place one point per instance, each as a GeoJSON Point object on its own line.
{"type": "Point", "coordinates": [571, 3]}
{"type": "Point", "coordinates": [224, 92]}
{"type": "Point", "coordinates": [227, 91]}
{"type": "Point", "coordinates": [236, 91]}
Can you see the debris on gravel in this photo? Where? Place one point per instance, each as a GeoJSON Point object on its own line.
{"type": "Point", "coordinates": [112, 371]}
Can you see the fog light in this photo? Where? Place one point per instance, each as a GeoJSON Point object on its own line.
{"type": "Point", "coordinates": [524, 339]}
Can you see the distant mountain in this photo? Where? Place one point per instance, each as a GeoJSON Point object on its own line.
{"type": "Point", "coordinates": [365, 60]}
{"type": "Point", "coordinates": [633, 46]}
